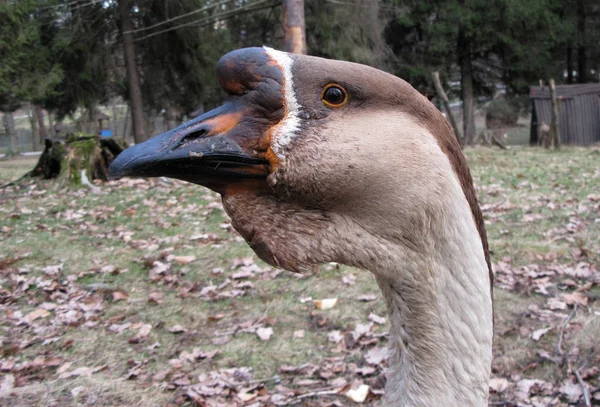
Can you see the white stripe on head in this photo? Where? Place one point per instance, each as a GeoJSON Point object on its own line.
{"type": "Point", "coordinates": [288, 127]}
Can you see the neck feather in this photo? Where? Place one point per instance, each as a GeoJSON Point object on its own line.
{"type": "Point", "coordinates": [436, 285]}
{"type": "Point", "coordinates": [441, 334]}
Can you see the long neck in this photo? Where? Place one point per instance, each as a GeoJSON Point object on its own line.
{"type": "Point", "coordinates": [438, 296]}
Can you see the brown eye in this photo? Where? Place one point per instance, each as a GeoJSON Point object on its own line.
{"type": "Point", "coordinates": [334, 96]}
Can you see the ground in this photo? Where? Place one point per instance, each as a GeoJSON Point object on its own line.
{"type": "Point", "coordinates": [143, 295]}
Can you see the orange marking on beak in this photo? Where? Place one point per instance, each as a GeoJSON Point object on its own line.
{"type": "Point", "coordinates": [223, 123]}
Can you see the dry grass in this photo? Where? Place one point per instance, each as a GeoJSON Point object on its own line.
{"type": "Point", "coordinates": [14, 168]}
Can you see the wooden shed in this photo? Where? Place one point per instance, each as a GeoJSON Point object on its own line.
{"type": "Point", "coordinates": [579, 112]}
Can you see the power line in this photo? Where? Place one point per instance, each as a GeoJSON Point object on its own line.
{"type": "Point", "coordinates": [71, 3]}
{"type": "Point", "coordinates": [180, 16]}
{"type": "Point", "coordinates": [222, 16]}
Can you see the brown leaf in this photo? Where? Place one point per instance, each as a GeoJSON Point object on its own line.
{"type": "Point", "coordinates": [575, 298]}
{"type": "Point", "coordinates": [33, 315]}
{"type": "Point", "coordinates": [156, 297]}
{"type": "Point", "coordinates": [161, 375]}
{"type": "Point", "coordinates": [142, 334]}
{"type": "Point", "coordinates": [120, 296]}
{"type": "Point", "coordinates": [183, 259]}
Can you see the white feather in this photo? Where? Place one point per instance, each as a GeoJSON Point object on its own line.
{"type": "Point", "coordinates": [290, 124]}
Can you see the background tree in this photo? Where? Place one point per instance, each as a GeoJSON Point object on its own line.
{"type": "Point", "coordinates": [28, 71]}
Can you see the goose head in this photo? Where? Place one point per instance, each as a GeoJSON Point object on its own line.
{"type": "Point", "coordinates": [319, 160]}
{"type": "Point", "coordinates": [302, 137]}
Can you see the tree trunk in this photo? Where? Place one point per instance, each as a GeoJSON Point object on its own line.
{"type": "Point", "coordinates": [126, 135]}
{"type": "Point", "coordinates": [115, 118]}
{"type": "Point", "coordinates": [35, 136]}
{"type": "Point", "coordinates": [133, 82]}
{"type": "Point", "coordinates": [39, 115]}
{"type": "Point", "coordinates": [51, 125]}
{"type": "Point", "coordinates": [554, 125]}
{"type": "Point", "coordinates": [466, 79]}
{"type": "Point", "coordinates": [440, 91]}
{"type": "Point", "coordinates": [569, 64]}
{"type": "Point", "coordinates": [11, 134]}
{"type": "Point", "coordinates": [294, 27]}
{"type": "Point", "coordinates": [581, 38]}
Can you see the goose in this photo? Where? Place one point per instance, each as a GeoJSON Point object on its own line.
{"type": "Point", "coordinates": [321, 161]}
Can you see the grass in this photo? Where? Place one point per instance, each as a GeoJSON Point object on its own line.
{"type": "Point", "coordinates": [12, 169]}
{"type": "Point", "coordinates": [85, 232]}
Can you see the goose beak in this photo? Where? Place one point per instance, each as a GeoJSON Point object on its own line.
{"type": "Point", "coordinates": [217, 149]}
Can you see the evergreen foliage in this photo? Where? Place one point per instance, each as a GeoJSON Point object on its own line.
{"type": "Point", "coordinates": [65, 55]}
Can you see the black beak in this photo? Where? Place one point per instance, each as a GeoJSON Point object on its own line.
{"type": "Point", "coordinates": [211, 150]}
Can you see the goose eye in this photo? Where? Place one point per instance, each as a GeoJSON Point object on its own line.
{"type": "Point", "coordinates": [334, 96]}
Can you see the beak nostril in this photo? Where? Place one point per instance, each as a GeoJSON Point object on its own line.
{"type": "Point", "coordinates": [194, 135]}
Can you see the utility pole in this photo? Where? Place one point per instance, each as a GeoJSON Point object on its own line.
{"type": "Point", "coordinates": [133, 82]}
{"type": "Point", "coordinates": [294, 27]}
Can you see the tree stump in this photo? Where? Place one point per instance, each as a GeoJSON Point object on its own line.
{"type": "Point", "coordinates": [81, 156]}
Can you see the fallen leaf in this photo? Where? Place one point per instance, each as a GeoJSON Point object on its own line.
{"type": "Point", "coordinates": [358, 395]}
{"type": "Point", "coordinates": [376, 318]}
{"type": "Point", "coordinates": [264, 333]}
{"type": "Point", "coordinates": [537, 334]}
{"type": "Point", "coordinates": [120, 296]}
{"type": "Point", "coordinates": [244, 396]}
{"type": "Point", "coordinates": [555, 303]}
{"type": "Point", "coordinates": [571, 390]}
{"type": "Point", "coordinates": [221, 340]}
{"type": "Point", "coordinates": [325, 304]}
{"type": "Point", "coordinates": [498, 384]}
{"type": "Point", "coordinates": [349, 279]}
{"type": "Point", "coordinates": [183, 259]}
{"type": "Point", "coordinates": [142, 334]}
{"type": "Point", "coordinates": [33, 315]}
{"type": "Point", "coordinates": [156, 297]}
{"type": "Point", "coordinates": [6, 386]}
{"type": "Point", "coordinates": [575, 298]}
{"type": "Point", "coordinates": [80, 371]}
{"type": "Point", "coordinates": [367, 297]}
{"type": "Point", "coordinates": [177, 329]}
{"type": "Point", "coordinates": [52, 270]}
{"type": "Point", "coordinates": [362, 329]}
{"type": "Point", "coordinates": [335, 336]}
{"type": "Point", "coordinates": [77, 391]}
{"type": "Point", "coordinates": [377, 355]}
{"type": "Point", "coordinates": [365, 370]}
{"type": "Point", "coordinates": [299, 334]}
